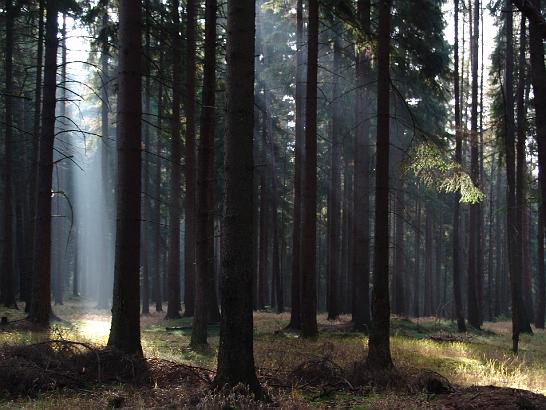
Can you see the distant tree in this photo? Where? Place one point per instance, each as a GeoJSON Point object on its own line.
{"type": "Point", "coordinates": [125, 328]}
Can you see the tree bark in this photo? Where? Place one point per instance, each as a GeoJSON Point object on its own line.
{"type": "Point", "coordinates": [190, 166]}
{"type": "Point", "coordinates": [459, 314]}
{"type": "Point", "coordinates": [173, 307]}
{"type": "Point", "coordinates": [156, 284]}
{"type": "Point", "coordinates": [379, 353]}
{"type": "Point", "coordinates": [125, 329]}
{"type": "Point", "coordinates": [205, 185]}
{"type": "Point", "coordinates": [334, 191]}
{"type": "Point", "coordinates": [235, 355]}
{"type": "Point", "coordinates": [40, 309]}
{"type": "Point", "coordinates": [295, 310]}
{"type": "Point", "coordinates": [7, 294]}
{"type": "Point", "coordinates": [541, 282]}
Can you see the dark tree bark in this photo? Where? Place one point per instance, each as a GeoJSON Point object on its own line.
{"type": "Point", "coordinates": [103, 275]}
{"type": "Point", "coordinates": [156, 234]}
{"type": "Point", "coordinates": [7, 294]}
{"type": "Point", "coordinates": [541, 282]}
{"type": "Point", "coordinates": [125, 329]}
{"type": "Point", "coordinates": [235, 355]}
{"type": "Point", "coordinates": [173, 308]}
{"type": "Point", "coordinates": [417, 267]}
{"type": "Point", "coordinates": [334, 191]}
{"type": "Point", "coordinates": [428, 308]}
{"type": "Point", "coordinates": [473, 294]}
{"type": "Point", "coordinates": [190, 166]}
{"type": "Point", "coordinates": [379, 353]}
{"type": "Point", "coordinates": [309, 212]}
{"type": "Point", "coordinates": [521, 175]}
{"type": "Point", "coordinates": [264, 243]}
{"type": "Point", "coordinates": [295, 311]}
{"type": "Point", "coordinates": [538, 78]}
{"type": "Point", "coordinates": [205, 181]}
{"type": "Point", "coordinates": [513, 230]}
{"type": "Point", "coordinates": [459, 314]}
{"type": "Point", "coordinates": [145, 224]}
{"type": "Point", "coordinates": [399, 297]}
{"type": "Point", "coordinates": [40, 309]}
{"type": "Point", "coordinates": [34, 158]}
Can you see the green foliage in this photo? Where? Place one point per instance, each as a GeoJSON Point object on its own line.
{"type": "Point", "coordinates": [432, 167]}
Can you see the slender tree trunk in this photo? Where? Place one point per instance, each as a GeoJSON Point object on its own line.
{"type": "Point", "coordinates": [205, 181]}
{"type": "Point", "coordinates": [417, 267]}
{"type": "Point", "coordinates": [429, 239]}
{"type": "Point", "coordinates": [235, 355]}
{"type": "Point", "coordinates": [334, 191]}
{"type": "Point", "coordinates": [295, 311]}
{"type": "Point", "coordinates": [264, 244]}
{"type": "Point", "coordinates": [145, 224]}
{"type": "Point", "coordinates": [125, 329]}
{"type": "Point", "coordinates": [173, 308]}
{"type": "Point", "coordinates": [399, 300]}
{"type": "Point", "coordinates": [40, 309]}
{"type": "Point", "coordinates": [379, 353]}
{"type": "Point", "coordinates": [190, 166]}
{"type": "Point", "coordinates": [473, 299]}
{"type": "Point", "coordinates": [513, 230]}
{"type": "Point", "coordinates": [36, 133]}
{"type": "Point", "coordinates": [541, 282]}
{"type": "Point", "coordinates": [309, 214]}
{"type": "Point", "coordinates": [8, 274]}
{"type": "Point", "coordinates": [156, 260]}
{"type": "Point", "coordinates": [459, 314]}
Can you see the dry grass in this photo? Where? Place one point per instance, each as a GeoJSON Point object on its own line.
{"type": "Point", "coordinates": [482, 358]}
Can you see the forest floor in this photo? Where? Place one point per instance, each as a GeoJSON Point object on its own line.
{"type": "Point", "coordinates": [296, 373]}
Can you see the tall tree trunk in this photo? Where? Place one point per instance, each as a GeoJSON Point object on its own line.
{"type": "Point", "coordinates": [145, 224]}
{"type": "Point", "coordinates": [417, 267]}
{"type": "Point", "coordinates": [379, 353]}
{"type": "Point", "coordinates": [541, 282]}
{"type": "Point", "coordinates": [190, 166]}
{"type": "Point", "coordinates": [173, 308]}
{"type": "Point", "coordinates": [125, 329]}
{"type": "Point", "coordinates": [473, 298]}
{"type": "Point", "coordinates": [35, 147]}
{"type": "Point", "coordinates": [40, 309]}
{"type": "Point", "coordinates": [459, 314]}
{"type": "Point", "coordinates": [398, 297]}
{"type": "Point", "coordinates": [309, 213]}
{"type": "Point", "coordinates": [205, 185]}
{"type": "Point", "coordinates": [295, 310]}
{"type": "Point", "coordinates": [235, 355]}
{"type": "Point", "coordinates": [103, 275]}
{"type": "Point", "coordinates": [429, 239]}
{"type": "Point", "coordinates": [334, 191]}
{"type": "Point", "coordinates": [7, 291]}
{"type": "Point", "coordinates": [156, 234]}
{"type": "Point", "coordinates": [512, 227]}
{"type": "Point", "coordinates": [264, 243]}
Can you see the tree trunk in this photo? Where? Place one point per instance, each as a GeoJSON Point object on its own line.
{"type": "Point", "coordinates": [473, 299]}
{"type": "Point", "coordinates": [173, 308]}
{"type": "Point", "coordinates": [235, 355]}
{"type": "Point", "coordinates": [428, 292]}
{"type": "Point", "coordinates": [156, 260]}
{"type": "Point", "coordinates": [7, 294]}
{"type": "Point", "coordinates": [295, 310]}
{"type": "Point", "coordinates": [334, 191]}
{"type": "Point", "coordinates": [459, 314]}
{"type": "Point", "coordinates": [417, 267]}
{"type": "Point", "coordinates": [40, 309]}
{"type": "Point", "coordinates": [205, 184]}
{"type": "Point", "coordinates": [309, 213]}
{"type": "Point", "coordinates": [379, 353]}
{"type": "Point", "coordinates": [541, 286]}
{"type": "Point", "coordinates": [190, 166]}
{"type": "Point", "coordinates": [125, 329]}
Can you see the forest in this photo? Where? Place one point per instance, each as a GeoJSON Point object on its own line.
{"type": "Point", "coordinates": [293, 204]}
